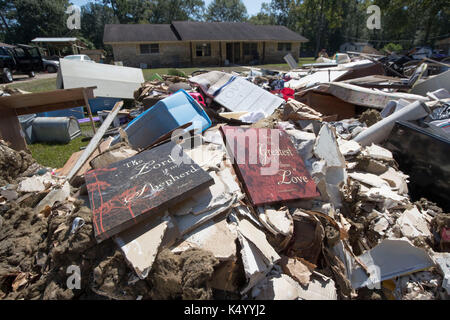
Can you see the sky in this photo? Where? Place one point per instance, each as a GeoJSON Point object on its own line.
{"type": "Point", "coordinates": [253, 6]}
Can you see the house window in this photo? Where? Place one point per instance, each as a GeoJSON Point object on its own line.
{"type": "Point", "coordinates": [284, 46]}
{"type": "Point", "coordinates": [203, 50]}
{"type": "Point", "coordinates": [149, 48]}
{"type": "Point", "coordinates": [250, 49]}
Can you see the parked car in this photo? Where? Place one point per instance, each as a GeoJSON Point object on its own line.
{"type": "Point", "coordinates": [51, 66]}
{"type": "Point", "coordinates": [19, 59]}
{"type": "Point", "coordinates": [79, 57]}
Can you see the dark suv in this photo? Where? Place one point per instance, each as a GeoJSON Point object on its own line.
{"type": "Point", "coordinates": [19, 59]}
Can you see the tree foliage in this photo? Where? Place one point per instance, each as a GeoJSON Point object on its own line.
{"type": "Point", "coordinates": [226, 10]}
{"type": "Point", "coordinates": [326, 23]}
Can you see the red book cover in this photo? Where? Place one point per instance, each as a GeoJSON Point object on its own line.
{"type": "Point", "coordinates": [268, 165]}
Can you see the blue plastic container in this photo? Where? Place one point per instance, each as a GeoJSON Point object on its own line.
{"type": "Point", "coordinates": [165, 116]}
{"type": "Point", "coordinates": [77, 112]}
{"type": "Point", "coordinates": [102, 103]}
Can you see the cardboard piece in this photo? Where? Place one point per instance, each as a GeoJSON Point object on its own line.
{"type": "Point", "coordinates": [129, 191]}
{"type": "Point", "coordinates": [269, 165]}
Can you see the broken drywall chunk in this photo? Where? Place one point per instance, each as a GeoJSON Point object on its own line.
{"type": "Point", "coordinates": [443, 261]}
{"type": "Point", "coordinates": [255, 265]}
{"type": "Point", "coordinates": [380, 194]}
{"type": "Point", "coordinates": [303, 142]}
{"type": "Point", "coordinates": [140, 245]}
{"type": "Point", "coordinates": [413, 224]}
{"type": "Point", "coordinates": [389, 259]}
{"type": "Point", "coordinates": [319, 289]}
{"type": "Point", "coordinates": [36, 183]}
{"type": "Point", "coordinates": [326, 147]}
{"type": "Point", "coordinates": [263, 220]}
{"type": "Point", "coordinates": [379, 153]}
{"type": "Point", "coordinates": [189, 222]}
{"type": "Point", "coordinates": [296, 269]}
{"type": "Point", "coordinates": [215, 236]}
{"type": "Point", "coordinates": [380, 225]}
{"type": "Point", "coordinates": [369, 179]}
{"type": "Point", "coordinates": [56, 195]}
{"type": "Point", "coordinates": [280, 220]}
{"type": "Point", "coordinates": [396, 179]}
{"type": "Point", "coordinates": [349, 147]}
{"type": "Point", "coordinates": [280, 287]}
{"type": "Point", "coordinates": [295, 110]}
{"type": "Point", "coordinates": [33, 184]}
{"type": "Point", "coordinates": [223, 193]}
{"type": "Point", "coordinates": [257, 237]}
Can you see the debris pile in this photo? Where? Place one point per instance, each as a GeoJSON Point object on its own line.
{"type": "Point", "coordinates": [224, 186]}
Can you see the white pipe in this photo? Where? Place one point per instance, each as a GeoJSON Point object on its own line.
{"type": "Point", "coordinates": [381, 130]}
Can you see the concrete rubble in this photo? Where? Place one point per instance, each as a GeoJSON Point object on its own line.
{"type": "Point", "coordinates": [364, 237]}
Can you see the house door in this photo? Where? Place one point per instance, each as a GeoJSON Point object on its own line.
{"type": "Point", "coordinates": [233, 52]}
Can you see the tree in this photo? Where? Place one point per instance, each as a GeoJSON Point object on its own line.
{"type": "Point", "coordinates": [94, 16]}
{"type": "Point", "coordinates": [226, 10]}
{"type": "Point", "coordinates": [264, 16]}
{"type": "Point", "coordinates": [36, 18]}
{"type": "Point", "coordinates": [130, 11]}
{"type": "Point", "coordinates": [166, 11]}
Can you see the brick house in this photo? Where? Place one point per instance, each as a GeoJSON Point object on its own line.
{"type": "Point", "coordinates": [188, 43]}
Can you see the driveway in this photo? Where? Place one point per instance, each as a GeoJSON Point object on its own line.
{"type": "Point", "coordinates": [39, 76]}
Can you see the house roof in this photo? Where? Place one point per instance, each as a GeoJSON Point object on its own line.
{"type": "Point", "coordinates": [198, 31]}
{"type": "Point", "coordinates": [138, 33]}
{"type": "Point", "coordinates": [191, 30]}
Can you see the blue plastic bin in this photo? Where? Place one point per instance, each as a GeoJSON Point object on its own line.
{"type": "Point", "coordinates": [165, 116]}
{"type": "Point", "coordinates": [102, 103]}
{"type": "Point", "coordinates": [77, 112]}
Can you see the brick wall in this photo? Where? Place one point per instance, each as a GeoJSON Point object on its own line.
{"type": "Point", "coordinates": [170, 55]}
{"type": "Point", "coordinates": [179, 54]}
{"type": "Point", "coordinates": [274, 56]}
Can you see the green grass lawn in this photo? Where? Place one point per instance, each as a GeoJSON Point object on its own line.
{"type": "Point", "coordinates": [148, 73]}
{"type": "Point", "coordinates": [40, 85]}
{"type": "Point", "coordinates": [43, 85]}
{"type": "Point", "coordinates": [56, 155]}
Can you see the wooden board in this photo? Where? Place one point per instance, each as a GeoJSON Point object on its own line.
{"type": "Point", "coordinates": [10, 130]}
{"type": "Point", "coordinates": [64, 171]}
{"type": "Point", "coordinates": [46, 101]}
{"type": "Point", "coordinates": [255, 151]}
{"type": "Point", "coordinates": [328, 105]}
{"type": "Point", "coordinates": [141, 187]}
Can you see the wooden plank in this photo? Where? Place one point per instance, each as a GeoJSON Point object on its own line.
{"type": "Point", "coordinates": [95, 140]}
{"type": "Point", "coordinates": [52, 107]}
{"type": "Point", "coordinates": [130, 191]}
{"type": "Point", "coordinates": [328, 105]}
{"type": "Point", "coordinates": [64, 171]}
{"type": "Point", "coordinates": [46, 101]}
{"type": "Point", "coordinates": [10, 130]}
